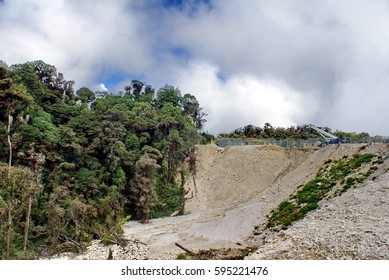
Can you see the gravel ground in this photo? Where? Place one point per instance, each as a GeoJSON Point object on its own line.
{"type": "Point", "coordinates": [351, 226]}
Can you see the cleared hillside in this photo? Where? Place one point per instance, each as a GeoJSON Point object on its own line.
{"type": "Point", "coordinates": [232, 176]}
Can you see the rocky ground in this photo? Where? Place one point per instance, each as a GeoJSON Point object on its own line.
{"type": "Point", "coordinates": [351, 226]}
{"type": "Point", "coordinates": [134, 249]}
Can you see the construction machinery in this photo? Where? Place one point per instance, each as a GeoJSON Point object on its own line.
{"type": "Point", "coordinates": [328, 137]}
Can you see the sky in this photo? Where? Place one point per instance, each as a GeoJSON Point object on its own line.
{"type": "Point", "coordinates": [247, 62]}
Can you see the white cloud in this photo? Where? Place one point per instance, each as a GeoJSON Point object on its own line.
{"type": "Point", "coordinates": [82, 39]}
{"type": "Point", "coordinates": [329, 51]}
{"type": "Point", "coordinates": [243, 99]}
{"type": "Point", "coordinates": [284, 62]}
{"type": "Point", "coordinates": [102, 87]}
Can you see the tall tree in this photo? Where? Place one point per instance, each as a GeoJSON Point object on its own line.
{"type": "Point", "coordinates": [17, 189]}
{"type": "Point", "coordinates": [168, 95]}
{"type": "Point", "coordinates": [143, 192]}
{"type": "Point", "coordinates": [139, 91]}
{"type": "Point", "coordinates": [85, 95]}
{"type": "Point", "coordinates": [192, 107]}
{"type": "Point", "coordinates": [13, 99]}
{"type": "Point", "coordinates": [53, 80]}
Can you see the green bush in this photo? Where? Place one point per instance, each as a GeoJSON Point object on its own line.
{"type": "Point", "coordinates": [309, 207]}
{"type": "Point", "coordinates": [168, 201]}
{"type": "Point", "coordinates": [359, 159]}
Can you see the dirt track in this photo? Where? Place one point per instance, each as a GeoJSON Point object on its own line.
{"type": "Point", "coordinates": [233, 191]}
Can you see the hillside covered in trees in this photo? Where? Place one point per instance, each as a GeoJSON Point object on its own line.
{"type": "Point", "coordinates": [75, 165]}
{"type": "Point", "coordinates": [293, 132]}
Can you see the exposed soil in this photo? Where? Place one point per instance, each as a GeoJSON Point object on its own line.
{"type": "Point", "coordinates": [236, 187]}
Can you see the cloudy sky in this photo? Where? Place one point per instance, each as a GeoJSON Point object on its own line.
{"type": "Point", "coordinates": [248, 62]}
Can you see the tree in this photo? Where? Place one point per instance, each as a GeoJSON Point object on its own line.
{"type": "Point", "coordinates": [85, 95]}
{"type": "Point", "coordinates": [249, 131]}
{"type": "Point", "coordinates": [5, 80]}
{"type": "Point", "coordinates": [18, 187]}
{"type": "Point", "coordinates": [168, 95]}
{"type": "Point", "coordinates": [13, 98]}
{"type": "Point", "coordinates": [142, 194]}
{"type": "Point", "coordinates": [192, 107]}
{"type": "Point", "coordinates": [268, 130]}
{"type": "Point", "coordinates": [36, 162]}
{"type": "Point", "coordinates": [53, 80]}
{"type": "Point", "coordinates": [139, 91]}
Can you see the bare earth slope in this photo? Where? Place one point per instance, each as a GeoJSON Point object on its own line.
{"type": "Point", "coordinates": [352, 226]}
{"type": "Point", "coordinates": [236, 187]}
{"type": "Point", "coordinates": [232, 176]}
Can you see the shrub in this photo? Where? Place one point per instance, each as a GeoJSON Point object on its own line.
{"type": "Point", "coordinates": [181, 256]}
{"type": "Point", "coordinates": [359, 159]}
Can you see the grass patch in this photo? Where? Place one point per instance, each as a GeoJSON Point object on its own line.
{"type": "Point", "coordinates": [182, 256]}
{"type": "Point", "coordinates": [341, 174]}
{"type": "Point", "coordinates": [359, 159]}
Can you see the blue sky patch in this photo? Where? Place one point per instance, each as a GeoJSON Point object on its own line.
{"type": "Point", "coordinates": [222, 76]}
{"type": "Point", "coordinates": [190, 7]}
{"type": "Point", "coordinates": [112, 80]}
{"type": "Point", "coordinates": [181, 53]}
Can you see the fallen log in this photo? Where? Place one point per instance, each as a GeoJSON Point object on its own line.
{"type": "Point", "coordinates": [183, 248]}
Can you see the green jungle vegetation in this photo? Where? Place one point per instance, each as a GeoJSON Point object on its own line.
{"type": "Point", "coordinates": [76, 165]}
{"type": "Point", "coordinates": [293, 132]}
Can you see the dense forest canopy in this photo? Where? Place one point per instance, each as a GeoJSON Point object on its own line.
{"type": "Point", "coordinates": [293, 132]}
{"type": "Point", "coordinates": [75, 164]}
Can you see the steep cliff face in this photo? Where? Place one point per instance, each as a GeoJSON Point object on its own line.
{"type": "Point", "coordinates": [232, 176]}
